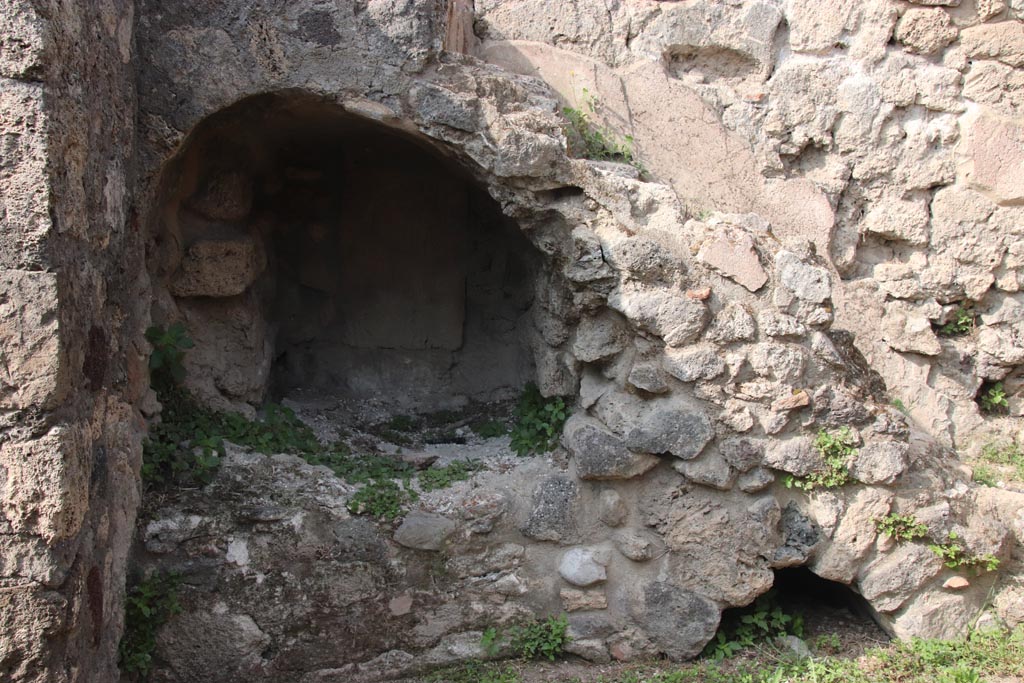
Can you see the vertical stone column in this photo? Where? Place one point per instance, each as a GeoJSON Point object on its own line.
{"type": "Point", "coordinates": [70, 313]}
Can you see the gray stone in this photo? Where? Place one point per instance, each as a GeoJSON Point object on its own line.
{"type": "Point", "coordinates": [599, 454]}
{"type": "Point", "coordinates": [552, 517]}
{"type": "Point", "coordinates": [733, 323]}
{"type": "Point", "coordinates": [799, 535]}
{"type": "Point", "coordinates": [694, 362]}
{"type": "Point", "coordinates": [795, 645]}
{"type": "Point", "coordinates": [757, 479]}
{"type": "Point", "coordinates": [679, 621]}
{"type": "Point", "coordinates": [796, 455]}
{"type": "Point", "coordinates": [710, 469]}
{"type": "Point", "coordinates": [805, 282]}
{"type": "Point", "coordinates": [661, 311]}
{"type": "Point", "coordinates": [612, 508]}
{"type": "Point", "coordinates": [583, 566]}
{"type": "Point", "coordinates": [648, 376]}
{"type": "Point", "coordinates": [590, 649]}
{"type": "Point", "coordinates": [890, 580]}
{"type": "Point", "coordinates": [742, 453]}
{"type": "Point", "coordinates": [424, 530]}
{"type": "Point", "coordinates": [775, 324]}
{"type": "Point", "coordinates": [598, 337]}
{"type": "Point", "coordinates": [663, 429]}
{"type": "Point", "coordinates": [880, 463]}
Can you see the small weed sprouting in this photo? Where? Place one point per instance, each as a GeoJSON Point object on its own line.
{"type": "Point", "coordinates": [167, 362]}
{"type": "Point", "coordinates": [900, 406]}
{"type": "Point", "coordinates": [381, 498]}
{"type": "Point", "coordinates": [900, 528]}
{"type": "Point", "coordinates": [437, 478]}
{"type": "Point", "coordinates": [539, 422]}
{"type": "Point", "coordinates": [762, 621]}
{"type": "Point", "coordinates": [1005, 453]}
{"type": "Point", "coordinates": [540, 639]}
{"type": "Point", "coordinates": [489, 429]}
{"type": "Point", "coordinates": [149, 604]}
{"type": "Point", "coordinates": [954, 555]}
{"type": "Point", "coordinates": [829, 643]}
{"type": "Point", "coordinates": [986, 476]}
{"type": "Point", "coordinates": [836, 450]}
{"type": "Point", "coordinates": [599, 143]}
{"type": "Point", "coordinates": [992, 399]}
{"type": "Point", "coordinates": [962, 323]}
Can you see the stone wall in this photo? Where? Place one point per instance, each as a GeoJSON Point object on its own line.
{"type": "Point", "coordinates": [826, 183]}
{"type": "Point", "coordinates": [70, 325]}
{"type": "Point", "coordinates": [867, 128]}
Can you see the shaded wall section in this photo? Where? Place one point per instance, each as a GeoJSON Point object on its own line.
{"type": "Point", "coordinates": [309, 249]}
{"type": "Point", "coordinates": [71, 371]}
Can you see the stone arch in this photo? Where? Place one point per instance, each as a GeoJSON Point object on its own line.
{"type": "Point", "coordinates": [308, 247]}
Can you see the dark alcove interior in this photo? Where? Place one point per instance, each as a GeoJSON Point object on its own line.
{"type": "Point", "coordinates": [384, 270]}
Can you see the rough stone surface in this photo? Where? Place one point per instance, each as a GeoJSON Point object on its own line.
{"type": "Point", "coordinates": [599, 454]}
{"type": "Point", "coordinates": [880, 463]}
{"type": "Point", "coordinates": [845, 174]}
{"type": "Point", "coordinates": [424, 531]}
{"type": "Point", "coordinates": [679, 621]}
{"type": "Point", "coordinates": [731, 253]}
{"type": "Point", "coordinates": [219, 268]}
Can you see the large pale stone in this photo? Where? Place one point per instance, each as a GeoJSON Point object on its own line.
{"type": "Point", "coordinates": [1003, 41]}
{"type": "Point", "coordinates": [692, 363]}
{"type": "Point", "coordinates": [731, 252]}
{"type": "Point", "coordinates": [32, 355]}
{"type": "Point", "coordinates": [925, 30]}
{"type": "Point", "coordinates": [993, 160]}
{"type": "Point", "coordinates": [661, 311]}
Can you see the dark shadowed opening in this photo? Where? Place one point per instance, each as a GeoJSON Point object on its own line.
{"type": "Point", "coordinates": [384, 269]}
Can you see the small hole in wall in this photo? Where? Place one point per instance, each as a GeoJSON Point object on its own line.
{"type": "Point", "coordinates": [828, 608]}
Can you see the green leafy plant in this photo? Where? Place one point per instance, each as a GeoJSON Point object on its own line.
{"type": "Point", "coordinates": [836, 451]}
{"type": "Point", "coordinates": [962, 322]}
{"type": "Point", "coordinates": [829, 643]}
{"type": "Point", "coordinates": [599, 143]}
{"type": "Point", "coordinates": [489, 429]}
{"type": "Point", "coordinates": [475, 672]}
{"type": "Point", "coordinates": [167, 362]}
{"type": "Point", "coordinates": [149, 604]}
{"type": "Point", "coordinates": [762, 621]}
{"type": "Point", "coordinates": [1005, 453]}
{"type": "Point", "coordinates": [900, 527]}
{"type": "Point", "coordinates": [986, 476]}
{"type": "Point", "coordinates": [540, 639]}
{"type": "Point", "coordinates": [993, 399]}
{"type": "Point", "coordinates": [539, 422]}
{"type": "Point", "coordinates": [442, 477]}
{"type": "Point", "coordinates": [900, 406]}
{"type": "Point", "coordinates": [381, 498]}
{"type": "Point", "coordinates": [490, 641]}
{"type": "Point", "coordinates": [954, 555]}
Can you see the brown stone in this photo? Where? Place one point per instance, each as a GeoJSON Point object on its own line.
{"type": "Point", "coordinates": [797, 400]}
{"type": "Point", "coordinates": [575, 600]}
